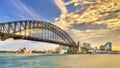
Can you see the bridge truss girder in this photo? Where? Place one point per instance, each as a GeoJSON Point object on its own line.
{"type": "Point", "coordinates": [14, 29]}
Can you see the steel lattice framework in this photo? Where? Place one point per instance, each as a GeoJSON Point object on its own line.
{"type": "Point", "coordinates": [36, 31]}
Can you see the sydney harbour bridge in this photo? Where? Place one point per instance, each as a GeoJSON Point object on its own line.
{"type": "Point", "coordinates": [37, 31]}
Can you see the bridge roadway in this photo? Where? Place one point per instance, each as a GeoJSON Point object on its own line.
{"type": "Point", "coordinates": [33, 38]}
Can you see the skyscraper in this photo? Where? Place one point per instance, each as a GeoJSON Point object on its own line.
{"type": "Point", "coordinates": [108, 46]}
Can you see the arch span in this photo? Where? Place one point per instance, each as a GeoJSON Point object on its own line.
{"type": "Point", "coordinates": [23, 30]}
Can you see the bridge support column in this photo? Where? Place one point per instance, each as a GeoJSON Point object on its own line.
{"type": "Point", "coordinates": [0, 37]}
{"type": "Point", "coordinates": [77, 49]}
{"type": "Point", "coordinates": [3, 37]}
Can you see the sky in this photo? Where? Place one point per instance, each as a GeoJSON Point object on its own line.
{"type": "Point", "coordinates": [92, 21]}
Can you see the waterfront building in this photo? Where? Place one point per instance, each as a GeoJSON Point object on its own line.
{"type": "Point", "coordinates": [50, 51]}
{"type": "Point", "coordinates": [95, 49]}
{"type": "Point", "coordinates": [62, 47]}
{"type": "Point", "coordinates": [84, 50]}
{"type": "Point", "coordinates": [86, 45]}
{"type": "Point", "coordinates": [106, 47]}
{"type": "Point", "coordinates": [102, 48]}
{"type": "Point", "coordinates": [57, 50]}
{"type": "Point", "coordinates": [63, 51]}
{"type": "Point", "coordinates": [23, 51]}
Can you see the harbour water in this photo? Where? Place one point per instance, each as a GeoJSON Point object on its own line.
{"type": "Point", "coordinates": [12, 60]}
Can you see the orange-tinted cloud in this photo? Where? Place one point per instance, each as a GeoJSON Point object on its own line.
{"type": "Point", "coordinates": [94, 21]}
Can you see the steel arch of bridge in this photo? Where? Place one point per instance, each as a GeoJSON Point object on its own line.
{"type": "Point", "coordinates": [9, 29]}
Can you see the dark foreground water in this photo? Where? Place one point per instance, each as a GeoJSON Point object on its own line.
{"type": "Point", "coordinates": [11, 60]}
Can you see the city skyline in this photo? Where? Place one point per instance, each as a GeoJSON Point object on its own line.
{"type": "Point", "coordinates": [95, 22]}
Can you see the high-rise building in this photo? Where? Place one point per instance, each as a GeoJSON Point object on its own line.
{"type": "Point", "coordinates": [108, 46]}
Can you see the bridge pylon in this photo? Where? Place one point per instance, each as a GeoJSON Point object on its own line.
{"type": "Point", "coordinates": [3, 37]}
{"type": "Point", "coordinates": [77, 49]}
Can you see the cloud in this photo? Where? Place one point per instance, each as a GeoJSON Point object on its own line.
{"type": "Point", "coordinates": [96, 12]}
{"type": "Point", "coordinates": [88, 26]}
{"type": "Point", "coordinates": [94, 21]}
{"type": "Point", "coordinates": [97, 37]}
{"type": "Point", "coordinates": [25, 11]}
{"type": "Point", "coordinates": [5, 17]}
{"type": "Point", "coordinates": [20, 15]}
{"type": "Point", "coordinates": [61, 5]}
